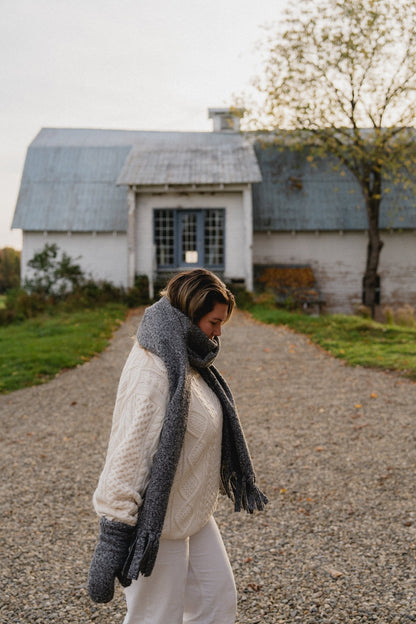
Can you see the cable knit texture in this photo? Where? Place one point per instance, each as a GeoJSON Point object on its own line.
{"type": "Point", "coordinates": [137, 421]}
{"type": "Point", "coordinates": [195, 488]}
{"type": "Point", "coordinates": [181, 345]}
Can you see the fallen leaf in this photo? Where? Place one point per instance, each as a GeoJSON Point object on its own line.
{"type": "Point", "coordinates": [255, 587]}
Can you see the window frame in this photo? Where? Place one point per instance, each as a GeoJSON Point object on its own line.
{"type": "Point", "coordinates": [201, 221]}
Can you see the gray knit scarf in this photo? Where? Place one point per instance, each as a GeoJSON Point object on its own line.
{"type": "Point", "coordinates": [172, 336]}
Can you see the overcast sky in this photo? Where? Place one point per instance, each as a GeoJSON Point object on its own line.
{"type": "Point", "coordinates": [128, 64]}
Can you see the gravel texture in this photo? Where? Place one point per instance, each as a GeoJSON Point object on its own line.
{"type": "Point", "coordinates": [334, 448]}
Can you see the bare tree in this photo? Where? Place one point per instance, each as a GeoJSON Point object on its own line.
{"type": "Point", "coordinates": [340, 75]}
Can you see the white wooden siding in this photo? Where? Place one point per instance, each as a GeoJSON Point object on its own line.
{"type": "Point", "coordinates": [338, 261]}
{"type": "Point", "coordinates": [101, 255]}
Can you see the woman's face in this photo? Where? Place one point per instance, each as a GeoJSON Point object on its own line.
{"type": "Point", "coordinates": [211, 323]}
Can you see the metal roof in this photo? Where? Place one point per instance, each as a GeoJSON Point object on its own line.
{"type": "Point", "coordinates": [222, 164]}
{"type": "Point", "coordinates": [298, 195]}
{"type": "Point", "coordinates": [72, 188]}
{"type": "Point", "coordinates": [69, 178]}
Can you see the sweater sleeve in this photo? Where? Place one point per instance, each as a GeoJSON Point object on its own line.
{"type": "Point", "coordinates": [139, 411]}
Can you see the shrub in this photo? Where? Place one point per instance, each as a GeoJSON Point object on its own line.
{"type": "Point", "coordinates": [363, 311]}
{"type": "Point", "coordinates": [53, 275]}
{"type": "Point", "coordinates": [286, 279]}
{"type": "Point", "coordinates": [294, 286]}
{"type": "Point", "coordinates": [404, 316]}
{"type": "Point", "coordinates": [9, 269]}
{"type": "Point", "coordinates": [21, 305]}
{"type": "Point", "coordinates": [139, 293]}
{"type": "Point", "coordinates": [389, 315]}
{"type": "Point", "coordinates": [266, 298]}
{"type": "Point", "coordinates": [243, 298]}
{"type": "Point", "coordinates": [57, 282]}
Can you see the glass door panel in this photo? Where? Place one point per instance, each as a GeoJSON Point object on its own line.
{"type": "Point", "coordinates": [188, 225]}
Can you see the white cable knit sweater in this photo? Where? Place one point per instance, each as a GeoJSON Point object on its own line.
{"type": "Point", "coordinates": [139, 411]}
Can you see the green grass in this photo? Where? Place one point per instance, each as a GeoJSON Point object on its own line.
{"type": "Point", "coordinates": [35, 350]}
{"type": "Point", "coordinates": [2, 301]}
{"type": "Point", "coordinates": [354, 339]}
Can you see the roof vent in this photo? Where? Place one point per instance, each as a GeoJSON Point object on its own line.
{"type": "Point", "coordinates": [226, 119]}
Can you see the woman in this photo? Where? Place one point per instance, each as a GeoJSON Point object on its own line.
{"type": "Point", "coordinates": [176, 438]}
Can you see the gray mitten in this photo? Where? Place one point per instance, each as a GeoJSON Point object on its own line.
{"type": "Point", "coordinates": [108, 560]}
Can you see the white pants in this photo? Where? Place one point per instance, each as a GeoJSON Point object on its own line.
{"type": "Point", "coordinates": [191, 583]}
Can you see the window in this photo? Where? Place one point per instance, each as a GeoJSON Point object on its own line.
{"type": "Point", "coordinates": [188, 243]}
{"type": "Point", "coordinates": [164, 237]}
{"type": "Point", "coordinates": [214, 238]}
{"type": "Point", "coordinates": [189, 238]}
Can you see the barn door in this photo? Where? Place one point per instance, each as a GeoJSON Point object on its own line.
{"type": "Point", "coordinates": [191, 250]}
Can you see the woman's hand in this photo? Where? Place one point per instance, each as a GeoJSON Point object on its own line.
{"type": "Point", "coordinates": [109, 557]}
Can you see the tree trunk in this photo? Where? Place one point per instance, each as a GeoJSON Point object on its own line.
{"type": "Point", "coordinates": [375, 244]}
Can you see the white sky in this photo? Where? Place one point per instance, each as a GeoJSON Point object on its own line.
{"type": "Point", "coordinates": [128, 64]}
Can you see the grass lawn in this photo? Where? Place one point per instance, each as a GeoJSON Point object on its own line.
{"type": "Point", "coordinates": [358, 341]}
{"type": "Point", "coordinates": [35, 350]}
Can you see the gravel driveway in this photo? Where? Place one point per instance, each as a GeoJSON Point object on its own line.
{"type": "Point", "coordinates": [334, 448]}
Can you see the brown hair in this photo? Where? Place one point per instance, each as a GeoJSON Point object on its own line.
{"type": "Point", "coordinates": [196, 292]}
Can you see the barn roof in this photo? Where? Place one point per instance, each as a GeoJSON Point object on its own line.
{"type": "Point", "coordinates": [222, 164]}
{"type": "Point", "coordinates": [70, 175]}
{"type": "Point", "coordinates": [69, 181]}
{"type": "Point", "coordinates": [298, 195]}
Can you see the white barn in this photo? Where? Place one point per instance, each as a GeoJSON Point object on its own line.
{"type": "Point", "coordinates": [129, 203]}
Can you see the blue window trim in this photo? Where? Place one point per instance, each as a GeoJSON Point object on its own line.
{"type": "Point", "coordinates": [177, 224]}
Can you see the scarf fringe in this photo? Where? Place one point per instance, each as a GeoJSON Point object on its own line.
{"type": "Point", "coordinates": [245, 494]}
{"type": "Point", "coordinates": [142, 556]}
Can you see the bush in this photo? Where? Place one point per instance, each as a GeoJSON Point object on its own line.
{"type": "Point", "coordinates": [389, 315]}
{"type": "Point", "coordinates": [9, 269]}
{"type": "Point", "coordinates": [139, 293]}
{"type": "Point", "coordinates": [58, 283]}
{"type": "Point", "coordinates": [243, 298]}
{"type": "Point", "coordinates": [21, 305]}
{"type": "Point", "coordinates": [404, 316]}
{"type": "Point", "coordinates": [53, 275]}
{"type": "Point", "coordinates": [363, 311]}
{"type": "Point", "coordinates": [294, 286]}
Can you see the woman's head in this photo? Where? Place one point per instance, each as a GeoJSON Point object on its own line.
{"type": "Point", "coordinates": [196, 293]}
